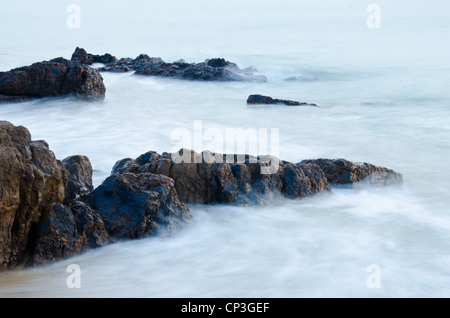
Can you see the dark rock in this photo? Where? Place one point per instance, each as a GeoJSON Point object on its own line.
{"type": "Point", "coordinates": [261, 99]}
{"type": "Point", "coordinates": [216, 69]}
{"type": "Point", "coordinates": [81, 56]}
{"type": "Point", "coordinates": [303, 180]}
{"type": "Point", "coordinates": [137, 205]}
{"type": "Point", "coordinates": [80, 176]}
{"type": "Point", "coordinates": [218, 62]}
{"type": "Point", "coordinates": [31, 180]}
{"type": "Point", "coordinates": [344, 172]}
{"type": "Point", "coordinates": [58, 77]}
{"type": "Point", "coordinates": [68, 231]}
{"type": "Point", "coordinates": [13, 99]}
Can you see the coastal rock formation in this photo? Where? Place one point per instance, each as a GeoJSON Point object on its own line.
{"type": "Point", "coordinates": [216, 69]}
{"type": "Point", "coordinates": [31, 180]}
{"type": "Point", "coordinates": [207, 178]}
{"type": "Point", "coordinates": [57, 77]}
{"type": "Point", "coordinates": [82, 57]}
{"type": "Point", "coordinates": [38, 213]}
{"type": "Point", "coordinates": [344, 172]}
{"type": "Point", "coordinates": [49, 210]}
{"type": "Point", "coordinates": [261, 99]}
{"type": "Point", "coordinates": [68, 231]}
{"type": "Point", "coordinates": [137, 205]}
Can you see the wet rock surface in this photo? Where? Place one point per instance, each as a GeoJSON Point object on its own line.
{"type": "Point", "coordinates": [261, 99]}
{"type": "Point", "coordinates": [216, 69]}
{"type": "Point", "coordinates": [137, 205]}
{"type": "Point", "coordinates": [57, 77]}
{"type": "Point", "coordinates": [207, 178]}
{"type": "Point", "coordinates": [31, 180]}
{"type": "Point", "coordinates": [344, 172]}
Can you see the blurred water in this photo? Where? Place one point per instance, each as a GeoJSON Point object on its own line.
{"type": "Point", "coordinates": [383, 97]}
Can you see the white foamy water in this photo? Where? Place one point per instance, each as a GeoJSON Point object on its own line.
{"type": "Point", "coordinates": [384, 99]}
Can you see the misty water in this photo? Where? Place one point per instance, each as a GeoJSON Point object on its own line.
{"type": "Point", "coordinates": [384, 98]}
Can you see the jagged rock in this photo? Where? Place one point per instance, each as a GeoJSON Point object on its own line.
{"type": "Point", "coordinates": [208, 178]}
{"type": "Point", "coordinates": [261, 99]}
{"type": "Point", "coordinates": [57, 77]}
{"type": "Point", "coordinates": [68, 231]}
{"type": "Point", "coordinates": [137, 205]}
{"type": "Point", "coordinates": [37, 207]}
{"type": "Point", "coordinates": [81, 56]}
{"type": "Point", "coordinates": [13, 99]}
{"type": "Point", "coordinates": [80, 176]}
{"type": "Point", "coordinates": [31, 180]}
{"type": "Point", "coordinates": [344, 172]}
{"type": "Point", "coordinates": [216, 69]}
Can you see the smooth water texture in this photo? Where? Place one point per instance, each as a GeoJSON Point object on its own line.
{"type": "Point", "coordinates": [384, 98]}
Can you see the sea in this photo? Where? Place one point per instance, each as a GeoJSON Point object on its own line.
{"type": "Point", "coordinates": [379, 72]}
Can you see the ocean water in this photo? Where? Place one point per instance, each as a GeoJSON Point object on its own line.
{"type": "Point", "coordinates": [384, 98]}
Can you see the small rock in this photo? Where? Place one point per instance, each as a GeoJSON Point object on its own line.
{"type": "Point", "coordinates": [261, 99]}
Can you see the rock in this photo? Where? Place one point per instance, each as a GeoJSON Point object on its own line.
{"type": "Point", "coordinates": [81, 56]}
{"type": "Point", "coordinates": [31, 180]}
{"type": "Point", "coordinates": [68, 231]}
{"type": "Point", "coordinates": [80, 176]}
{"type": "Point", "coordinates": [344, 172]}
{"type": "Point", "coordinates": [261, 99]}
{"type": "Point", "coordinates": [208, 178]}
{"type": "Point", "coordinates": [40, 219]}
{"type": "Point", "coordinates": [13, 99]}
{"type": "Point", "coordinates": [303, 180]}
{"type": "Point", "coordinates": [137, 205]}
{"type": "Point", "coordinates": [216, 69]}
{"type": "Point", "coordinates": [57, 77]}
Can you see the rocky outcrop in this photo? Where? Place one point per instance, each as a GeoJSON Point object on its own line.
{"type": "Point", "coordinates": [57, 77]}
{"type": "Point", "coordinates": [137, 205]}
{"type": "Point", "coordinates": [261, 99]}
{"type": "Point", "coordinates": [67, 231]}
{"type": "Point", "coordinates": [82, 57]}
{"type": "Point", "coordinates": [208, 178]}
{"type": "Point", "coordinates": [216, 69]}
{"type": "Point", "coordinates": [344, 172]}
{"type": "Point", "coordinates": [31, 180]}
{"type": "Point", "coordinates": [40, 220]}
{"type": "Point", "coordinates": [49, 210]}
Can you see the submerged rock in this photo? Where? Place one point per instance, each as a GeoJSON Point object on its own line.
{"type": "Point", "coordinates": [261, 99]}
{"type": "Point", "coordinates": [344, 172]}
{"type": "Point", "coordinates": [57, 77]}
